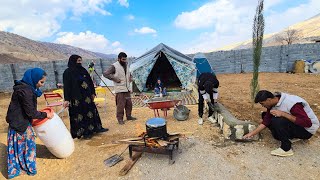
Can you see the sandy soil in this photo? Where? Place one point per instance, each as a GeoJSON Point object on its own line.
{"type": "Point", "coordinates": [204, 154]}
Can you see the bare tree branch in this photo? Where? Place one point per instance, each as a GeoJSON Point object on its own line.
{"type": "Point", "coordinates": [289, 36]}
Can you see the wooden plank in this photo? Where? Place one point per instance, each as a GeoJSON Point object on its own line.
{"type": "Point", "coordinates": [162, 142]}
{"type": "Point", "coordinates": [130, 163]}
{"type": "Point", "coordinates": [129, 142]}
{"type": "Point", "coordinates": [170, 138]}
{"type": "Point", "coordinates": [132, 139]}
{"type": "Point", "coordinates": [180, 133]}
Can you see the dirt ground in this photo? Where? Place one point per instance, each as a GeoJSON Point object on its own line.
{"type": "Point", "coordinates": [203, 154]}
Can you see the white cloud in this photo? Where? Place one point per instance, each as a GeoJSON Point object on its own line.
{"type": "Point", "coordinates": [117, 50]}
{"type": "Point", "coordinates": [116, 44]}
{"type": "Point", "coordinates": [207, 15]}
{"type": "Point", "coordinates": [271, 3]}
{"type": "Point", "coordinates": [145, 30]}
{"type": "Point", "coordinates": [130, 17]}
{"type": "Point", "coordinates": [90, 6]}
{"type": "Point", "coordinates": [230, 21]}
{"type": "Point", "coordinates": [227, 22]}
{"type": "Point", "coordinates": [279, 20]}
{"type": "Point", "coordinates": [88, 40]}
{"type": "Point", "coordinates": [124, 3]}
{"type": "Point", "coordinates": [37, 19]}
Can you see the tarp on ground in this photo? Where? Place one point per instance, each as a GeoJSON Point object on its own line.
{"type": "Point", "coordinates": [312, 66]}
{"type": "Point", "coordinates": [315, 67]}
{"type": "Point", "coordinates": [165, 63]}
{"type": "Point", "coordinates": [202, 64]}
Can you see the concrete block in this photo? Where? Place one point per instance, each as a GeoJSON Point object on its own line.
{"type": "Point", "coordinates": [239, 131]}
{"type": "Point", "coordinates": [231, 126]}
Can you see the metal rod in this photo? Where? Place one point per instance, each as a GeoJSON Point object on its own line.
{"type": "Point", "coordinates": [103, 82]}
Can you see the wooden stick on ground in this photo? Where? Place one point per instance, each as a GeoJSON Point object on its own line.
{"type": "Point", "coordinates": [130, 163]}
{"type": "Point", "coordinates": [130, 142]}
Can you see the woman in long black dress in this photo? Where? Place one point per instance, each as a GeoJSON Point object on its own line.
{"type": "Point", "coordinates": [79, 94]}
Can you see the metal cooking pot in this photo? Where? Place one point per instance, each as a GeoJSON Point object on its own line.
{"type": "Point", "coordinates": [181, 113]}
{"type": "Point", "coordinates": [157, 127]}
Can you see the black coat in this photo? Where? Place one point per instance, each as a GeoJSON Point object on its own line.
{"type": "Point", "coordinates": [204, 78]}
{"type": "Point", "coordinates": [23, 108]}
{"type": "Point", "coordinates": [71, 86]}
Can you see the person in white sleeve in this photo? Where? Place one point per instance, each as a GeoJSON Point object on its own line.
{"type": "Point", "coordinates": [208, 91]}
{"type": "Point", "coordinates": [288, 117]}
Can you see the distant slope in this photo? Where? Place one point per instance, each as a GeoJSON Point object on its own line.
{"type": "Point", "coordinates": [106, 56]}
{"type": "Point", "coordinates": [19, 47]}
{"type": "Point", "coordinates": [309, 29]}
{"type": "Point", "coordinates": [7, 58]}
{"type": "Point", "coordinates": [68, 50]}
{"type": "Point", "coordinates": [15, 48]}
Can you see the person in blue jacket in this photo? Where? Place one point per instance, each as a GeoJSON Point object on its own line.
{"type": "Point", "coordinates": [159, 88]}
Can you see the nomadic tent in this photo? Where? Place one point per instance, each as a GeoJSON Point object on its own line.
{"type": "Point", "coordinates": [172, 67]}
{"type": "Point", "coordinates": [202, 64]}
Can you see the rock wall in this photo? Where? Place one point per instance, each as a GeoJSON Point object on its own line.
{"type": "Point", "coordinates": [54, 70]}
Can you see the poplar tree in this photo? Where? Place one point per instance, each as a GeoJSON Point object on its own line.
{"type": "Point", "coordinates": [257, 39]}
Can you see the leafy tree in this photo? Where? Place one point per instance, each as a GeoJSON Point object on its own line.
{"type": "Point", "coordinates": [257, 39]}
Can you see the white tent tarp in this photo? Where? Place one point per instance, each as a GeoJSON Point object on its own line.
{"type": "Point", "coordinates": [105, 80]}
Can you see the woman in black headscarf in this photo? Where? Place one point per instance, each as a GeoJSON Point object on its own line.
{"type": "Point", "coordinates": [79, 94]}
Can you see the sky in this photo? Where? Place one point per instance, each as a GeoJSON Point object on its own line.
{"type": "Point", "coordinates": [135, 26]}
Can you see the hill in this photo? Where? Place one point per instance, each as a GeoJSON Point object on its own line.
{"type": "Point", "coordinates": [15, 48]}
{"type": "Point", "coordinates": [308, 32]}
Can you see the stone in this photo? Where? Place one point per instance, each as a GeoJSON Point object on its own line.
{"type": "Point", "coordinates": [239, 131]}
{"type": "Point", "coordinates": [226, 131]}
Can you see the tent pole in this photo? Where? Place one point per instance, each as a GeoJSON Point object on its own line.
{"type": "Point", "coordinates": [103, 82]}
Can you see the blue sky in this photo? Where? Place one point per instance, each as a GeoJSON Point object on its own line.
{"type": "Point", "coordinates": [135, 26]}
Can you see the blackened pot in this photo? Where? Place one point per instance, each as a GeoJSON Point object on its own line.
{"type": "Point", "coordinates": [157, 127]}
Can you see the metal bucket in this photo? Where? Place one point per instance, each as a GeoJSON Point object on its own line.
{"type": "Point", "coordinates": [181, 113]}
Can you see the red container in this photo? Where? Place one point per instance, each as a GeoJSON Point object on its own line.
{"type": "Point", "coordinates": [165, 104]}
{"type": "Point", "coordinates": [38, 122]}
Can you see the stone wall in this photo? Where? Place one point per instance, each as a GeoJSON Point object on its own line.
{"type": "Point", "coordinates": [54, 70]}
{"type": "Point", "coordinates": [274, 59]}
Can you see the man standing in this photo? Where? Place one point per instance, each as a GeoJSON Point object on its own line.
{"type": "Point", "coordinates": [208, 91]}
{"type": "Point", "coordinates": [288, 116]}
{"type": "Point", "coordinates": [120, 75]}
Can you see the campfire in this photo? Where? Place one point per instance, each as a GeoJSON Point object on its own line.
{"type": "Point", "coordinates": [155, 140]}
{"type": "Point", "coordinates": [156, 135]}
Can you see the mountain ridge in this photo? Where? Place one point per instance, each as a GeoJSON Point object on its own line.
{"type": "Point", "coordinates": [309, 30]}
{"type": "Point", "coordinates": [15, 48]}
